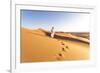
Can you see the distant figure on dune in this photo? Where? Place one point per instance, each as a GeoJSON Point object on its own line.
{"type": "Point", "coordinates": [52, 32]}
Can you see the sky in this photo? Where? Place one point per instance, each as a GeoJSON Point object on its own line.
{"type": "Point", "coordinates": [60, 20]}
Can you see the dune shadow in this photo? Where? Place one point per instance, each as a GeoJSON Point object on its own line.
{"type": "Point", "coordinates": [64, 38]}
{"type": "Point", "coordinates": [69, 38]}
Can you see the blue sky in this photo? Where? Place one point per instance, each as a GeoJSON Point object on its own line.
{"type": "Point", "coordinates": [35, 19]}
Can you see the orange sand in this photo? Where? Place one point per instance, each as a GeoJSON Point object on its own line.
{"type": "Point", "coordinates": [38, 46]}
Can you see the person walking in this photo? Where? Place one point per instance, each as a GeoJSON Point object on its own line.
{"type": "Point", "coordinates": [52, 32]}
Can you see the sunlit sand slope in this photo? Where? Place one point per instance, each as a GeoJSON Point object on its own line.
{"type": "Point", "coordinates": [38, 46]}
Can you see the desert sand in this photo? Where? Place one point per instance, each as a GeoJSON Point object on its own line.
{"type": "Point", "coordinates": [38, 46]}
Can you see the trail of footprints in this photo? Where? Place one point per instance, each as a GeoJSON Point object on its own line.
{"type": "Point", "coordinates": [65, 48]}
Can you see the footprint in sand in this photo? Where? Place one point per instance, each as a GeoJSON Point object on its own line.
{"type": "Point", "coordinates": [60, 56]}
{"type": "Point", "coordinates": [62, 43]}
{"type": "Point", "coordinates": [63, 49]}
{"type": "Point", "coordinates": [67, 47]}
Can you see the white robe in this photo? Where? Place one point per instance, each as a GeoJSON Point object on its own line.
{"type": "Point", "coordinates": [52, 34]}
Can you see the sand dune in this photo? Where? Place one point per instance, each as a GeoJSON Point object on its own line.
{"type": "Point", "coordinates": [38, 46]}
